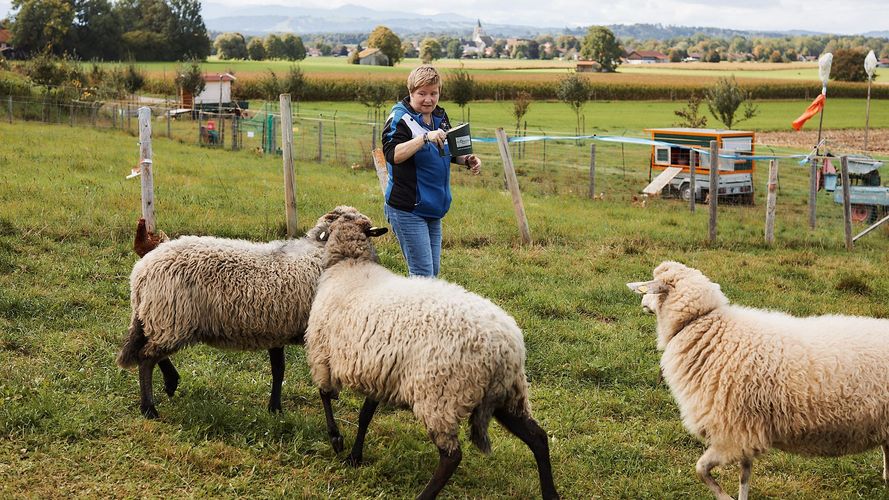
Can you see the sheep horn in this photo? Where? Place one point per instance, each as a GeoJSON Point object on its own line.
{"type": "Point", "coordinates": [376, 231]}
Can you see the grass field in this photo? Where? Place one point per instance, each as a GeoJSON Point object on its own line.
{"type": "Point", "coordinates": [511, 69]}
{"type": "Point", "coordinates": [69, 419]}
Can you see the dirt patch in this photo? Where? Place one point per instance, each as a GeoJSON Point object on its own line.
{"type": "Point", "coordinates": [838, 141]}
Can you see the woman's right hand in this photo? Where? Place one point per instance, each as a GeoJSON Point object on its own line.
{"type": "Point", "coordinates": [437, 137]}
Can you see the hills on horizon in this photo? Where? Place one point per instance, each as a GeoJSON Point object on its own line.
{"type": "Point", "coordinates": [270, 18]}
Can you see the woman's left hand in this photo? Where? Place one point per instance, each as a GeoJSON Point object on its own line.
{"type": "Point", "coordinates": [473, 163]}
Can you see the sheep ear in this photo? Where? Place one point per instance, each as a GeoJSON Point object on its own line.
{"type": "Point", "coordinates": [323, 236]}
{"type": "Point", "coordinates": [646, 287]}
{"type": "Point", "coordinates": [376, 231]}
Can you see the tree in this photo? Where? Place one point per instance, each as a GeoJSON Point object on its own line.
{"type": "Point", "coordinates": [848, 65]}
{"type": "Point", "coordinates": [190, 78]}
{"type": "Point", "coordinates": [274, 47]}
{"type": "Point", "coordinates": [294, 50]}
{"type": "Point", "coordinates": [231, 46]}
{"type": "Point", "coordinates": [690, 114]}
{"type": "Point", "coordinates": [42, 24]}
{"type": "Point", "coordinates": [388, 42]}
{"type": "Point", "coordinates": [574, 91]}
{"type": "Point", "coordinates": [295, 83]}
{"type": "Point", "coordinates": [724, 99]}
{"type": "Point", "coordinates": [455, 49]}
{"type": "Point", "coordinates": [186, 31]}
{"type": "Point", "coordinates": [461, 88]}
{"type": "Point", "coordinates": [97, 31]}
{"type": "Point", "coordinates": [408, 49]}
{"type": "Point", "coordinates": [255, 49]}
{"type": "Point", "coordinates": [600, 45]}
{"type": "Point", "coordinates": [133, 79]}
{"type": "Point", "coordinates": [520, 106]}
{"type": "Point", "coordinates": [430, 50]}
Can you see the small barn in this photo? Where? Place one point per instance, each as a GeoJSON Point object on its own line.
{"type": "Point", "coordinates": [5, 49]}
{"type": "Point", "coordinates": [373, 57]}
{"type": "Point", "coordinates": [588, 67]}
{"type": "Point", "coordinates": [218, 90]}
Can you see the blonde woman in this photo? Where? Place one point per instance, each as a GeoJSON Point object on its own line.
{"type": "Point", "coordinates": [419, 191]}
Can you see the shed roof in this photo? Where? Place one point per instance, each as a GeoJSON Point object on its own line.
{"type": "Point", "coordinates": [219, 77]}
{"type": "Point", "coordinates": [699, 131]}
{"type": "Point", "coordinates": [5, 36]}
{"type": "Point", "coordinates": [368, 52]}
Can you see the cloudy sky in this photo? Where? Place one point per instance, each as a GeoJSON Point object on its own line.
{"type": "Point", "coordinates": [838, 16]}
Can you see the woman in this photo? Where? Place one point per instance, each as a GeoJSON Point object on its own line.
{"type": "Point", "coordinates": [419, 191]}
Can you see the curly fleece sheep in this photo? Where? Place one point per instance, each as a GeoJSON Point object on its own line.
{"type": "Point", "coordinates": [232, 294]}
{"type": "Point", "coordinates": [747, 380]}
{"type": "Point", "coordinates": [418, 343]}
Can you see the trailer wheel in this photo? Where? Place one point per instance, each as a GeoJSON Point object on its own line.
{"type": "Point", "coordinates": [864, 213]}
{"type": "Point", "coordinates": [685, 191]}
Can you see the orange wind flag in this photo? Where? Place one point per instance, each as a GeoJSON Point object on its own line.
{"type": "Point", "coordinates": [813, 109]}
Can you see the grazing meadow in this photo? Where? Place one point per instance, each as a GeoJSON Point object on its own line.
{"type": "Point", "coordinates": [69, 418]}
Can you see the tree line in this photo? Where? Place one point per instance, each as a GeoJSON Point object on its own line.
{"type": "Point", "coordinates": [143, 30]}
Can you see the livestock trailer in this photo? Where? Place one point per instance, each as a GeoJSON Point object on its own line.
{"type": "Point", "coordinates": [735, 174]}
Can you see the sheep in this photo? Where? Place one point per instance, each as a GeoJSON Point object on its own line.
{"type": "Point", "coordinates": [747, 380]}
{"type": "Point", "coordinates": [226, 293]}
{"type": "Point", "coordinates": [420, 343]}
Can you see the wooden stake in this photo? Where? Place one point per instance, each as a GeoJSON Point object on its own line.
{"type": "Point", "coordinates": [771, 199]}
{"type": "Point", "coordinates": [320, 140]}
{"type": "Point", "coordinates": [287, 155]}
{"type": "Point", "coordinates": [592, 171]}
{"type": "Point", "coordinates": [714, 187]}
{"type": "Point", "coordinates": [813, 188]}
{"type": "Point", "coordinates": [146, 167]}
{"type": "Point", "coordinates": [380, 166]}
{"type": "Point", "coordinates": [847, 204]}
{"type": "Point", "coordinates": [513, 185]}
{"type": "Point", "coordinates": [10, 109]}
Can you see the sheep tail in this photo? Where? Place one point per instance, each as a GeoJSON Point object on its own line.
{"type": "Point", "coordinates": [135, 341]}
{"type": "Point", "coordinates": [478, 433]}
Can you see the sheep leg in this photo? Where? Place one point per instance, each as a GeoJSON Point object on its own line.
{"type": "Point", "coordinates": [744, 488]}
{"type": "Point", "coordinates": [525, 428]}
{"type": "Point", "coordinates": [276, 358]}
{"type": "Point", "coordinates": [171, 376]}
{"type": "Point", "coordinates": [333, 432]}
{"type": "Point", "coordinates": [447, 464]}
{"type": "Point", "coordinates": [886, 464]}
{"type": "Point", "coordinates": [146, 368]}
{"type": "Point", "coordinates": [706, 463]}
{"type": "Point", "coordinates": [364, 418]}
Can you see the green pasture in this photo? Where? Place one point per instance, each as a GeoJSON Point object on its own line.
{"type": "Point", "coordinates": [330, 66]}
{"type": "Point", "coordinates": [69, 418]}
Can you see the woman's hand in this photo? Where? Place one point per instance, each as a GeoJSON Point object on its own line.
{"type": "Point", "coordinates": [473, 163]}
{"type": "Point", "coordinates": [437, 137]}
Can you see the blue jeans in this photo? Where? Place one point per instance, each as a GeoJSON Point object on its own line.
{"type": "Point", "coordinates": [419, 238]}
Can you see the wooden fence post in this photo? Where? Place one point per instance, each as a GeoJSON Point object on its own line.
{"type": "Point", "coordinates": [320, 141]}
{"type": "Point", "coordinates": [287, 155]}
{"type": "Point", "coordinates": [146, 168]}
{"type": "Point", "coordinates": [847, 204]}
{"type": "Point", "coordinates": [10, 109]}
{"type": "Point", "coordinates": [714, 187]}
{"type": "Point", "coordinates": [513, 185]}
{"type": "Point", "coordinates": [592, 171]}
{"type": "Point", "coordinates": [692, 164]}
{"type": "Point", "coordinates": [771, 201]}
{"type": "Point", "coordinates": [380, 166]}
{"type": "Point", "coordinates": [169, 125]}
{"type": "Point", "coordinates": [813, 189]}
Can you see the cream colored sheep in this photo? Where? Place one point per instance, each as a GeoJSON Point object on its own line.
{"type": "Point", "coordinates": [233, 294]}
{"type": "Point", "coordinates": [747, 380]}
{"type": "Point", "coordinates": [419, 343]}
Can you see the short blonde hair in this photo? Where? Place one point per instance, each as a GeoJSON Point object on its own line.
{"type": "Point", "coordinates": [422, 76]}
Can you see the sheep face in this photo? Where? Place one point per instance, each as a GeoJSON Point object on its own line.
{"type": "Point", "coordinates": [322, 227]}
{"type": "Point", "coordinates": [677, 296]}
{"type": "Point", "coordinates": [349, 238]}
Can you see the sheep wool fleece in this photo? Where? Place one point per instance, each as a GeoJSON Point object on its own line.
{"type": "Point", "coordinates": [749, 379]}
{"type": "Point", "coordinates": [419, 343]}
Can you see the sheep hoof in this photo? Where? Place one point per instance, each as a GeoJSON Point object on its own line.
{"type": "Point", "coordinates": [150, 412]}
{"type": "Point", "coordinates": [170, 387]}
{"type": "Point", "coordinates": [354, 460]}
{"type": "Point", "coordinates": [275, 408]}
{"type": "Point", "coordinates": [337, 443]}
